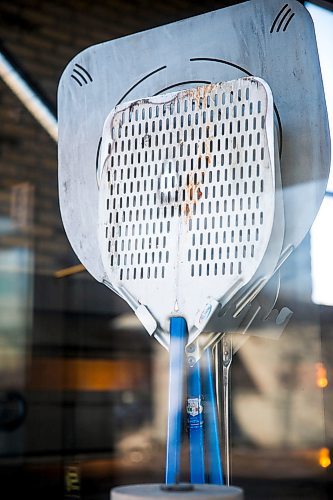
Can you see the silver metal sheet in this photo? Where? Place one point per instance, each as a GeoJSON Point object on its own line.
{"type": "Point", "coordinates": [273, 40]}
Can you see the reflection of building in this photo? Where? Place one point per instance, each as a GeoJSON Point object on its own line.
{"type": "Point", "coordinates": [88, 379]}
{"type": "Point", "coordinates": [84, 381]}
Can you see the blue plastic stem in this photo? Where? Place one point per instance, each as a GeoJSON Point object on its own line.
{"type": "Point", "coordinates": [215, 472]}
{"type": "Point", "coordinates": [178, 337]}
{"type": "Point", "coordinates": [195, 425]}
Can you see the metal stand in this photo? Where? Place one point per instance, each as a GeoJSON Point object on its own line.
{"type": "Point", "coordinates": [177, 492]}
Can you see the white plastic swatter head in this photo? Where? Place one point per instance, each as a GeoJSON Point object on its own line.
{"type": "Point", "coordinates": [187, 193]}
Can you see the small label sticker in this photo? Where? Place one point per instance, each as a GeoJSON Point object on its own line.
{"type": "Point", "coordinates": [194, 411]}
{"type": "Point", "coordinates": [194, 407]}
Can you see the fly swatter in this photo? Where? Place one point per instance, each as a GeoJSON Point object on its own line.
{"type": "Point", "coordinates": [186, 210]}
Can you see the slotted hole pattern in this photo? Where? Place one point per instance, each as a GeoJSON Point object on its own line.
{"type": "Point", "coordinates": [198, 159]}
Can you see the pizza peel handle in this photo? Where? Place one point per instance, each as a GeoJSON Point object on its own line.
{"type": "Point", "coordinates": [178, 338]}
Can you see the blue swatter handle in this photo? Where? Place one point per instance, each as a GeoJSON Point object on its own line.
{"type": "Point", "coordinates": [195, 425]}
{"type": "Point", "coordinates": [178, 337]}
{"type": "Point", "coordinates": [215, 472]}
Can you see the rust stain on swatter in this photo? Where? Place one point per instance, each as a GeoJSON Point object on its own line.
{"type": "Point", "coordinates": [200, 94]}
{"type": "Point", "coordinates": [194, 192]}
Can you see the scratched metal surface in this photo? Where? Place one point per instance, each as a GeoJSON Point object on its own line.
{"type": "Point", "coordinates": [272, 40]}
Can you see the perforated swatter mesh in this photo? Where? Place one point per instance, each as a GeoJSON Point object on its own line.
{"type": "Point", "coordinates": [186, 173]}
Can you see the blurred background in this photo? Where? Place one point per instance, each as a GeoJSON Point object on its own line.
{"type": "Point", "coordinates": [83, 388]}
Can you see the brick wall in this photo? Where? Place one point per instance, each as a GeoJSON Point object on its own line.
{"type": "Point", "coordinates": [42, 37]}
